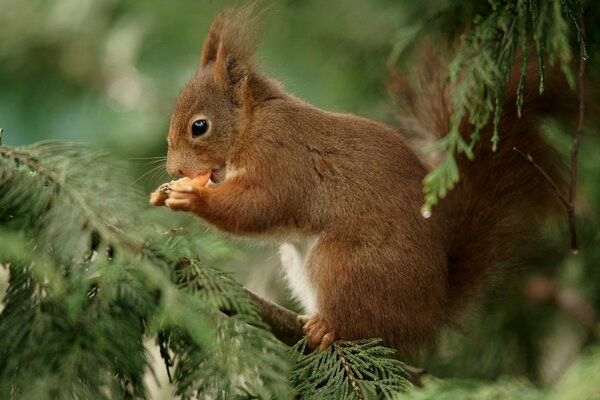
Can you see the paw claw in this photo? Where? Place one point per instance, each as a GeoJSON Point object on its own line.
{"type": "Point", "coordinates": [328, 339]}
{"type": "Point", "coordinates": [319, 333]}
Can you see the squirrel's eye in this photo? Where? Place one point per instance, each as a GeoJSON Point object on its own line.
{"type": "Point", "coordinates": [199, 127]}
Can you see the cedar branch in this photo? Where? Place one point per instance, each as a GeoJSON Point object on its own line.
{"type": "Point", "coordinates": [287, 326]}
{"type": "Point", "coordinates": [349, 373]}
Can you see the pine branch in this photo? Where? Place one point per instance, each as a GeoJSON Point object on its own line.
{"type": "Point", "coordinates": [348, 370]}
{"type": "Point", "coordinates": [228, 367]}
{"type": "Point", "coordinates": [87, 287]}
{"type": "Point", "coordinates": [61, 190]}
{"type": "Point", "coordinates": [287, 326]}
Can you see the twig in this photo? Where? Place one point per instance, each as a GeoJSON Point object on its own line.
{"type": "Point", "coordinates": [569, 202]}
{"type": "Point", "coordinates": [286, 325]}
{"type": "Point", "coordinates": [548, 178]}
{"type": "Point", "coordinates": [577, 140]}
{"type": "Point", "coordinates": [351, 377]}
{"type": "Point", "coordinates": [1, 132]}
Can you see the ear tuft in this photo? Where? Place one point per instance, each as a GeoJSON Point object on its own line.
{"type": "Point", "coordinates": [211, 43]}
{"type": "Point", "coordinates": [238, 41]}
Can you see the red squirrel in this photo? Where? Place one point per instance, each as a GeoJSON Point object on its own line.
{"type": "Point", "coordinates": [343, 194]}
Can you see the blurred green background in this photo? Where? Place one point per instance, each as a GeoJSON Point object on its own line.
{"type": "Point", "coordinates": [107, 72]}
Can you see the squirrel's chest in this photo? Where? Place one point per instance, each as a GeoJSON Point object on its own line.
{"type": "Point", "coordinates": [293, 259]}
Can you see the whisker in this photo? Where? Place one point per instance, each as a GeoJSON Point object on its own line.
{"type": "Point", "coordinates": [157, 168]}
{"type": "Point", "coordinates": [159, 176]}
{"type": "Point", "coordinates": [149, 158]}
{"type": "Point", "coordinates": [157, 172]}
{"type": "Point", "coordinates": [150, 162]}
{"type": "Point", "coordinates": [157, 161]}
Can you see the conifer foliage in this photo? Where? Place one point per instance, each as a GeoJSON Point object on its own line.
{"type": "Point", "coordinates": [482, 67]}
{"type": "Point", "coordinates": [93, 275]}
{"type": "Point", "coordinates": [87, 288]}
{"type": "Point", "coordinates": [348, 370]}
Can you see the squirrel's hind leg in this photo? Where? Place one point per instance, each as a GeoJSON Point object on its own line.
{"type": "Point", "coordinates": [366, 291]}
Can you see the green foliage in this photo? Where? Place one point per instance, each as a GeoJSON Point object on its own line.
{"type": "Point", "coordinates": [91, 277]}
{"type": "Point", "coordinates": [482, 67]}
{"type": "Point", "coordinates": [228, 368]}
{"type": "Point", "coordinates": [348, 370]}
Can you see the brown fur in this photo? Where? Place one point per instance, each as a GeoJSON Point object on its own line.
{"type": "Point", "coordinates": [378, 268]}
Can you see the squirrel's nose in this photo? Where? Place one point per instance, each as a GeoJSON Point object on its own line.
{"type": "Point", "coordinates": [174, 171]}
{"type": "Point", "coordinates": [174, 165]}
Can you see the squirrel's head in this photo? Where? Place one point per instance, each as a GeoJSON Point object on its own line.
{"type": "Point", "coordinates": [214, 106]}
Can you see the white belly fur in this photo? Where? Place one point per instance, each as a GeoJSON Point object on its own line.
{"type": "Point", "coordinates": [293, 259]}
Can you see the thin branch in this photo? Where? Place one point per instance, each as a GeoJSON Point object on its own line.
{"type": "Point", "coordinates": [548, 178]}
{"type": "Point", "coordinates": [349, 373]}
{"type": "Point", "coordinates": [569, 202]}
{"type": "Point", "coordinates": [286, 325]}
{"type": "Point", "coordinates": [577, 140]}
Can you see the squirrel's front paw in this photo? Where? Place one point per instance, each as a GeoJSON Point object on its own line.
{"type": "Point", "coordinates": [183, 195]}
{"type": "Point", "coordinates": [160, 195]}
{"type": "Point", "coordinates": [187, 194]}
{"type": "Point", "coordinates": [319, 333]}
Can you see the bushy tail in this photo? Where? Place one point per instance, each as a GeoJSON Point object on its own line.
{"type": "Point", "coordinates": [501, 198]}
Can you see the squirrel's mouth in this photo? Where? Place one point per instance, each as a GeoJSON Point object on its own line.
{"type": "Point", "coordinates": [218, 175]}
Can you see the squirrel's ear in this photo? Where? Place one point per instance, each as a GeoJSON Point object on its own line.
{"type": "Point", "coordinates": [238, 39]}
{"type": "Point", "coordinates": [211, 43]}
{"type": "Point", "coordinates": [229, 70]}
